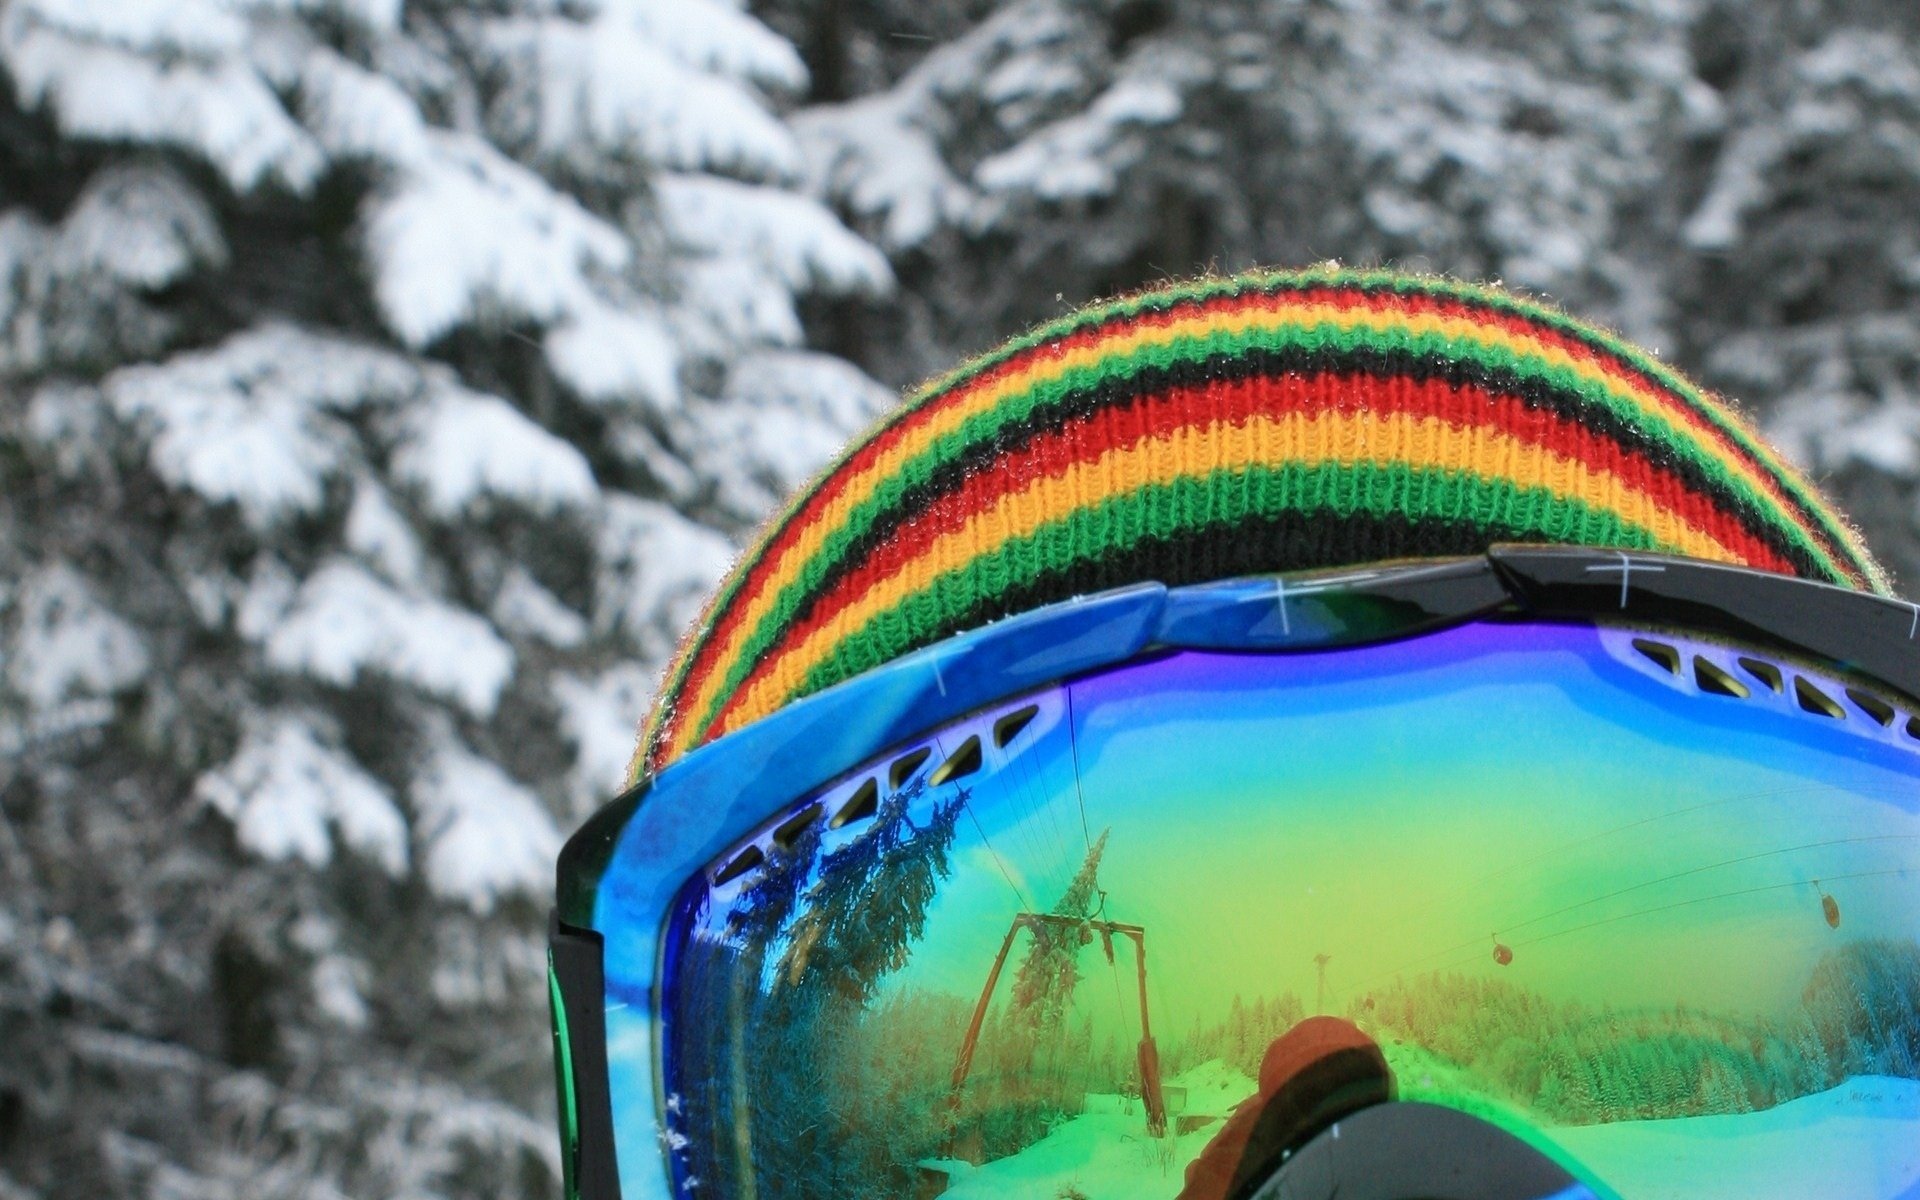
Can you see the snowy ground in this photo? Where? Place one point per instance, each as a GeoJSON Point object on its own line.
{"type": "Point", "coordinates": [1857, 1140]}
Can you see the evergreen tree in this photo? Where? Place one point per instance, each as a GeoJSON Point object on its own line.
{"type": "Point", "coordinates": [381, 385]}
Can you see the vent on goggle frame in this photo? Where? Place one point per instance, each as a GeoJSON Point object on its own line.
{"type": "Point", "coordinates": [1715, 671]}
{"type": "Point", "coordinates": [984, 743]}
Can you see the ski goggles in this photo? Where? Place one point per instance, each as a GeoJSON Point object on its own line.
{"type": "Point", "coordinates": [1614, 857]}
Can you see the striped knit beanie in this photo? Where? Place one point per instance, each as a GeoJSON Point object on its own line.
{"type": "Point", "coordinates": [1267, 422]}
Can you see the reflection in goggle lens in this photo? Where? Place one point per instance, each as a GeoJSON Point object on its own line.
{"type": "Point", "coordinates": [1646, 907]}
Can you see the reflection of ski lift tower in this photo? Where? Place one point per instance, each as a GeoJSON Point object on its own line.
{"type": "Point", "coordinates": [1149, 1054]}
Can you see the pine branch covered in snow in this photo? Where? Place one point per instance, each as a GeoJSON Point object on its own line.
{"type": "Point", "coordinates": [382, 384]}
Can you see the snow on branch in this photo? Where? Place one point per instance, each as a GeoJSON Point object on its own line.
{"type": "Point", "coordinates": [656, 567]}
{"type": "Point", "coordinates": [485, 835]}
{"type": "Point", "coordinates": [460, 446]}
{"type": "Point", "coordinates": [218, 108]}
{"type": "Point", "coordinates": [470, 233]}
{"type": "Point", "coordinates": [873, 155]}
{"type": "Point", "coordinates": [288, 784]}
{"type": "Point", "coordinates": [713, 37]}
{"type": "Point", "coordinates": [792, 237]}
{"type": "Point", "coordinates": [246, 422]}
{"type": "Point", "coordinates": [344, 622]}
{"type": "Point", "coordinates": [64, 643]}
{"type": "Point", "coordinates": [610, 355]}
{"type": "Point", "coordinates": [601, 715]}
{"type": "Point", "coordinates": [607, 90]}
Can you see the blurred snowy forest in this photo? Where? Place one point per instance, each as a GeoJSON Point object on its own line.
{"type": "Point", "coordinates": [383, 381]}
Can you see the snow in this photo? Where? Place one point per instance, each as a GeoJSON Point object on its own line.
{"type": "Point", "coordinates": [1085, 154]}
{"type": "Point", "coordinates": [606, 88]}
{"type": "Point", "coordinates": [343, 623]}
{"type": "Point", "coordinates": [460, 446]}
{"type": "Point", "coordinates": [522, 606]}
{"type": "Point", "coordinates": [872, 156]}
{"type": "Point", "coordinates": [287, 785]}
{"type": "Point", "coordinates": [193, 27]}
{"type": "Point", "coordinates": [469, 235]}
{"type": "Point", "coordinates": [66, 644]}
{"type": "Point", "coordinates": [714, 37]}
{"type": "Point", "coordinates": [795, 239]}
{"type": "Point", "coordinates": [141, 224]}
{"type": "Point", "coordinates": [354, 113]}
{"type": "Point", "coordinates": [378, 533]}
{"type": "Point", "coordinates": [609, 355]}
{"type": "Point", "coordinates": [485, 834]}
{"type": "Point", "coordinates": [601, 715]}
{"type": "Point", "coordinates": [656, 568]}
{"type": "Point", "coordinates": [1854, 1140]}
{"type": "Point", "coordinates": [221, 110]}
{"type": "Point", "coordinates": [247, 421]}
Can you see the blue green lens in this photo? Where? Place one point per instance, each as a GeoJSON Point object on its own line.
{"type": "Point", "coordinates": [1647, 903]}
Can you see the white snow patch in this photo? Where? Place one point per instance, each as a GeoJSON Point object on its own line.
{"type": "Point", "coordinates": [608, 87]}
{"type": "Point", "coordinates": [656, 568]}
{"type": "Point", "coordinates": [601, 716]}
{"type": "Point", "coordinates": [377, 532]}
{"type": "Point", "coordinates": [485, 835]}
{"type": "Point", "coordinates": [522, 606]}
{"type": "Point", "coordinates": [344, 621]}
{"type": "Point", "coordinates": [140, 224]}
{"type": "Point", "coordinates": [1084, 154]}
{"type": "Point", "coordinates": [1857, 1139]}
{"type": "Point", "coordinates": [469, 232]}
{"type": "Point", "coordinates": [714, 37]}
{"type": "Point", "coordinates": [288, 785]}
{"type": "Point", "coordinates": [461, 445]}
{"type": "Point", "coordinates": [244, 422]}
{"type": "Point", "coordinates": [193, 27]}
{"type": "Point", "coordinates": [609, 355]}
{"type": "Point", "coordinates": [221, 110]}
{"type": "Point", "coordinates": [357, 114]}
{"type": "Point", "coordinates": [872, 156]}
{"type": "Point", "coordinates": [795, 238]}
{"type": "Point", "coordinates": [66, 643]}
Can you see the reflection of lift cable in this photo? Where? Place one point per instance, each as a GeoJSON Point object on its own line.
{"type": "Point", "coordinates": [966, 800]}
{"type": "Point", "coordinates": [1073, 743]}
{"type": "Point", "coordinates": [1474, 943]}
{"type": "Point", "coordinates": [1772, 887]}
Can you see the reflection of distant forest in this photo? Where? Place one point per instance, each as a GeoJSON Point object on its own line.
{"type": "Point", "coordinates": [1573, 1063]}
{"type": "Point", "coordinates": [847, 1084]}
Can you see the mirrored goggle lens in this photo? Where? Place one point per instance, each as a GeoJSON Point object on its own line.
{"type": "Point", "coordinates": [1648, 904]}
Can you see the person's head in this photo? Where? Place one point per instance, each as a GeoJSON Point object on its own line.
{"type": "Point", "coordinates": [1325, 644]}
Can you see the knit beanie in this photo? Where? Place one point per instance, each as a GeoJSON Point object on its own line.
{"type": "Point", "coordinates": [1261, 423]}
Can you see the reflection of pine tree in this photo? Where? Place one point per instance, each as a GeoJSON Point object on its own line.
{"type": "Point", "coordinates": [1043, 986]}
{"type": "Point", "coordinates": [811, 939]}
{"type": "Point", "coordinates": [869, 904]}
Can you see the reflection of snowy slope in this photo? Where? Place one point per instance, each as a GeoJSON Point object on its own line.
{"type": "Point", "coordinates": [1105, 1153]}
{"type": "Point", "coordinates": [1855, 1140]}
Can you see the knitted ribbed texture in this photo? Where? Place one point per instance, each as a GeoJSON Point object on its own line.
{"type": "Point", "coordinates": [1268, 422]}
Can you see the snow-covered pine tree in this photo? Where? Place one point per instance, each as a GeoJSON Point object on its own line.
{"type": "Point", "coordinates": [381, 382]}
{"type": "Point", "coordinates": [1731, 182]}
